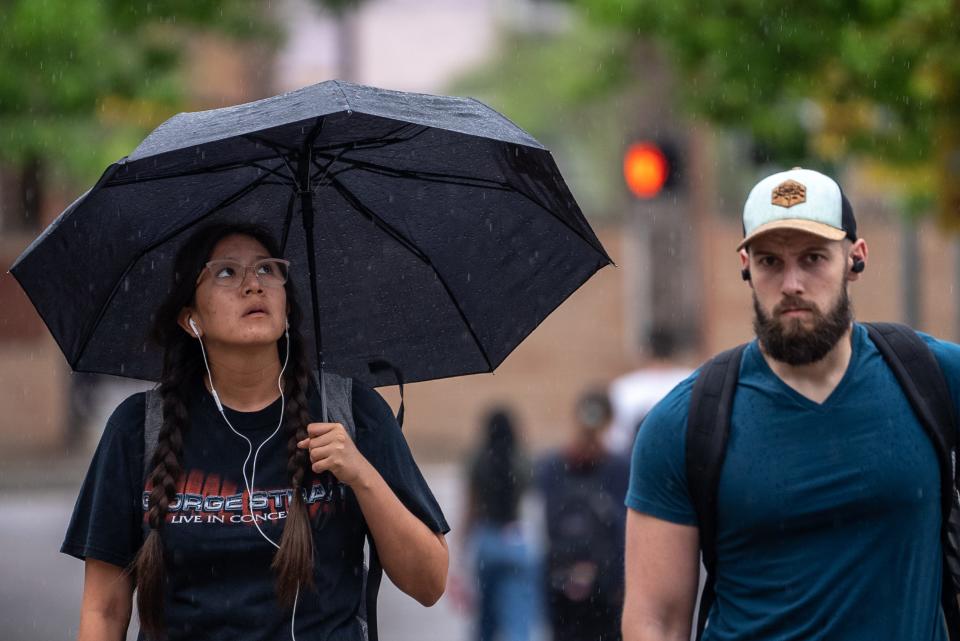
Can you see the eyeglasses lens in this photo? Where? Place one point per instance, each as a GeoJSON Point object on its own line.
{"type": "Point", "coordinates": [271, 272]}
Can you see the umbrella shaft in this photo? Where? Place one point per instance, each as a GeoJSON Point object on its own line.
{"type": "Point", "coordinates": [306, 215]}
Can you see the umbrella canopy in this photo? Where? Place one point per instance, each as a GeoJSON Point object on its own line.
{"type": "Point", "coordinates": [442, 233]}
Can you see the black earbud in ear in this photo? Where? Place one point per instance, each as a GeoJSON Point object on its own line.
{"type": "Point", "coordinates": [745, 273]}
{"type": "Point", "coordinates": [858, 266]}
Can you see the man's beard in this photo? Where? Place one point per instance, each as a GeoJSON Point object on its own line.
{"type": "Point", "coordinates": [789, 341]}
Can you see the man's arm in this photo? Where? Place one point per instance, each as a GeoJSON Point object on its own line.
{"type": "Point", "coordinates": [662, 577]}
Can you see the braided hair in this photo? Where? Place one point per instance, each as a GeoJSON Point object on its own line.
{"type": "Point", "coordinates": [182, 375]}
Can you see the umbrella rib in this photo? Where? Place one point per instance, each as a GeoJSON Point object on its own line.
{"type": "Point", "coordinates": [464, 181]}
{"type": "Point", "coordinates": [226, 202]}
{"type": "Point", "coordinates": [274, 172]}
{"type": "Point", "coordinates": [373, 217]}
{"type": "Point", "coordinates": [326, 170]}
{"type": "Point", "coordinates": [279, 150]}
{"type": "Point", "coordinates": [356, 203]}
{"type": "Point", "coordinates": [216, 169]}
{"type": "Point", "coordinates": [293, 174]}
{"type": "Point", "coordinates": [372, 143]}
{"type": "Point", "coordinates": [287, 221]}
{"type": "Point", "coordinates": [272, 144]}
{"type": "Point", "coordinates": [388, 140]}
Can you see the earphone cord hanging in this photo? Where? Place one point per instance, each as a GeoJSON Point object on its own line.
{"type": "Point", "coordinates": [253, 471]}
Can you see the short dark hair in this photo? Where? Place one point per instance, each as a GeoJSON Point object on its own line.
{"type": "Point", "coordinates": [594, 409]}
{"type": "Point", "coordinates": [662, 342]}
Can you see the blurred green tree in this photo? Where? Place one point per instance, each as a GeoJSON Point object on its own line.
{"type": "Point", "coordinates": [571, 90]}
{"type": "Point", "coordinates": [84, 80]}
{"type": "Point", "coordinates": [819, 79]}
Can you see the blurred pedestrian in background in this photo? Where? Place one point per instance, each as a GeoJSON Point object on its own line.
{"type": "Point", "coordinates": [504, 561]}
{"type": "Point", "coordinates": [81, 405]}
{"type": "Point", "coordinates": [633, 395]}
{"type": "Point", "coordinates": [583, 488]}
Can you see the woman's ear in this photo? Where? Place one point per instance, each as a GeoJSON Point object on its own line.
{"type": "Point", "coordinates": [184, 320]}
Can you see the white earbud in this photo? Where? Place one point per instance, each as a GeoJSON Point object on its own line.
{"type": "Point", "coordinates": [193, 326]}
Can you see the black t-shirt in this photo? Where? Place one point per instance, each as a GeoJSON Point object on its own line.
{"type": "Point", "coordinates": [585, 517]}
{"type": "Point", "coordinates": [220, 585]}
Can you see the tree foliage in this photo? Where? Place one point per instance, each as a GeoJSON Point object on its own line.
{"type": "Point", "coordinates": [813, 78]}
{"type": "Point", "coordinates": [84, 80]}
{"type": "Point", "coordinates": [571, 92]}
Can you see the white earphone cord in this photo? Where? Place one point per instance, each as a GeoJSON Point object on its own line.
{"type": "Point", "coordinates": [253, 470]}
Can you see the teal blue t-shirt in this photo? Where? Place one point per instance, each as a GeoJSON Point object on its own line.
{"type": "Point", "coordinates": [828, 514]}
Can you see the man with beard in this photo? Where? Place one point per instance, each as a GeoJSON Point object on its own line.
{"type": "Point", "coordinates": [828, 513]}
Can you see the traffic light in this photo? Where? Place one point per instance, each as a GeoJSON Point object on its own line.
{"type": "Point", "coordinates": [650, 168]}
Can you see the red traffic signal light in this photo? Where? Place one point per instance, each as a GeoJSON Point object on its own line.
{"type": "Point", "coordinates": [646, 169]}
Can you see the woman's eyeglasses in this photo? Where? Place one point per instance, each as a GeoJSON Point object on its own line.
{"type": "Point", "coordinates": [270, 272]}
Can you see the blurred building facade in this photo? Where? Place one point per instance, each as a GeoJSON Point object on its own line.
{"type": "Point", "coordinates": [33, 394]}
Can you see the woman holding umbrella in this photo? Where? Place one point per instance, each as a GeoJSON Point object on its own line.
{"type": "Point", "coordinates": [247, 520]}
{"type": "Point", "coordinates": [444, 235]}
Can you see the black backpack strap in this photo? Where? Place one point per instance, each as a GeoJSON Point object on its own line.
{"type": "Point", "coordinates": [371, 590]}
{"type": "Point", "coordinates": [923, 383]}
{"type": "Point", "coordinates": [377, 367]}
{"type": "Point", "coordinates": [152, 423]}
{"type": "Point", "coordinates": [374, 576]}
{"type": "Point", "coordinates": [336, 395]}
{"type": "Point", "coordinates": [708, 427]}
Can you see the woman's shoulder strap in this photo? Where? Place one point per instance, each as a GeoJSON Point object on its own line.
{"type": "Point", "coordinates": [152, 422]}
{"type": "Point", "coordinates": [337, 394]}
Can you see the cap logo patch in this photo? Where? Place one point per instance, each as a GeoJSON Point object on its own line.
{"type": "Point", "coordinates": [789, 193]}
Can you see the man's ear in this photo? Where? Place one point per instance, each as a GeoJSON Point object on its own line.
{"type": "Point", "coordinates": [857, 259]}
{"type": "Point", "coordinates": [745, 266]}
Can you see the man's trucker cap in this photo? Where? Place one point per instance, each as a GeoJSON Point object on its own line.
{"type": "Point", "coordinates": [800, 199]}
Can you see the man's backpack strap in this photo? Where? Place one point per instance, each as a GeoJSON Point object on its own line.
{"type": "Point", "coordinates": [923, 383]}
{"type": "Point", "coordinates": [708, 427]}
{"type": "Point", "coordinates": [152, 422]}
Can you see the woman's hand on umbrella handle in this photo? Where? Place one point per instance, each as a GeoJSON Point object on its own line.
{"type": "Point", "coordinates": [332, 450]}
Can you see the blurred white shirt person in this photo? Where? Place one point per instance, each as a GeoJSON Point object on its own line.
{"type": "Point", "coordinates": [633, 395]}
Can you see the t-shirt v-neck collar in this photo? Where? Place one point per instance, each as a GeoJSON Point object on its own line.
{"type": "Point", "coordinates": [855, 351]}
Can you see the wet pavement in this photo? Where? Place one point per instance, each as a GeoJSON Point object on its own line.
{"type": "Point", "coordinates": [40, 588]}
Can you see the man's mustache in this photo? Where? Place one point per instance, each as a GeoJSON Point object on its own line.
{"type": "Point", "coordinates": [794, 303]}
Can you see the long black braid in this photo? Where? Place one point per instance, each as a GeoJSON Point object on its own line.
{"type": "Point", "coordinates": [293, 562]}
{"type": "Point", "coordinates": [183, 372]}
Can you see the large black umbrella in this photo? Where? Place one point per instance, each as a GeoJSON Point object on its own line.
{"type": "Point", "coordinates": [431, 233]}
